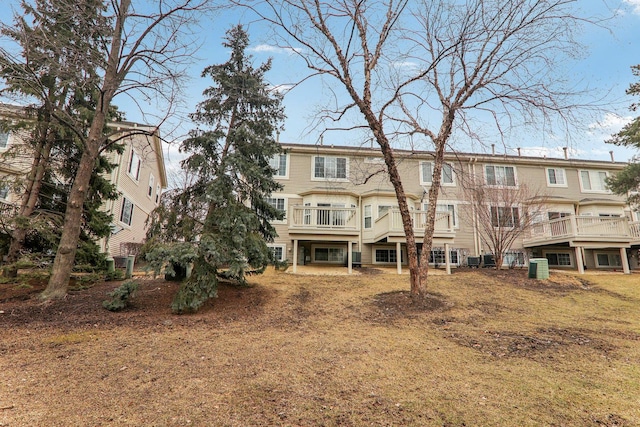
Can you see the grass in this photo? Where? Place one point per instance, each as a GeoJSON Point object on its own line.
{"type": "Point", "coordinates": [497, 350]}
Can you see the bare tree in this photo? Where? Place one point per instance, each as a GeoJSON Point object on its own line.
{"type": "Point", "coordinates": [502, 212]}
{"type": "Point", "coordinates": [430, 68]}
{"type": "Point", "coordinates": [145, 52]}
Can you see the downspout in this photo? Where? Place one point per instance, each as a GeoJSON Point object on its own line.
{"type": "Point", "coordinates": [361, 224]}
{"type": "Point", "coordinates": [476, 239]}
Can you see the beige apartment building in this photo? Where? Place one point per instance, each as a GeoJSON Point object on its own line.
{"type": "Point", "coordinates": [341, 209]}
{"type": "Point", "coordinates": [139, 177]}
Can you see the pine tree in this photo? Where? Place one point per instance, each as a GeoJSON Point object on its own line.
{"type": "Point", "coordinates": [228, 202]}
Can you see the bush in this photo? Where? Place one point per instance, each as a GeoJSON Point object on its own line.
{"type": "Point", "coordinates": [120, 296]}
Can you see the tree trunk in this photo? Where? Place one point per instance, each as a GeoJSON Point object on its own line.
{"type": "Point", "coordinates": [29, 202]}
{"type": "Point", "coordinates": [66, 253]}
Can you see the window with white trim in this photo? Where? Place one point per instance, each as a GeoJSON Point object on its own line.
{"type": "Point", "coordinates": [505, 216]}
{"type": "Point", "coordinates": [280, 165]}
{"type": "Point", "coordinates": [593, 180]}
{"type": "Point", "coordinates": [150, 189]}
{"type": "Point", "coordinates": [383, 209]}
{"type": "Point", "coordinates": [4, 192]}
{"type": "Point", "coordinates": [513, 259]}
{"type": "Point", "coordinates": [368, 216]}
{"type": "Point", "coordinates": [426, 175]}
{"type": "Point", "coordinates": [558, 259]}
{"type": "Point", "coordinates": [556, 177]}
{"type": "Point", "coordinates": [384, 255]}
{"type": "Point", "coordinates": [126, 214]}
{"type": "Point", "coordinates": [329, 255]}
{"type": "Point", "coordinates": [608, 260]}
{"type": "Point", "coordinates": [449, 208]}
{"type": "Point", "coordinates": [557, 215]}
{"type": "Point", "coordinates": [134, 165]}
{"type": "Point", "coordinates": [500, 175]}
{"type": "Point", "coordinates": [4, 140]}
{"type": "Point", "coordinates": [437, 256]}
{"type": "Point", "coordinates": [280, 203]}
{"type": "Point", "coordinates": [330, 167]}
{"type": "Point", "coordinates": [277, 251]}
{"type": "Point", "coordinates": [158, 190]}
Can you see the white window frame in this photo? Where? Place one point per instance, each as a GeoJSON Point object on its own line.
{"type": "Point", "coordinates": [426, 176]}
{"type": "Point", "coordinates": [568, 254]}
{"type": "Point", "coordinates": [325, 170]}
{"type": "Point", "coordinates": [367, 215]}
{"type": "Point", "coordinates": [385, 209]}
{"type": "Point", "coordinates": [151, 184]}
{"type": "Point", "coordinates": [511, 208]}
{"type": "Point", "coordinates": [285, 203]}
{"type": "Point", "coordinates": [123, 206]}
{"type": "Point", "coordinates": [158, 192]}
{"type": "Point", "coordinates": [282, 247]}
{"type": "Point", "coordinates": [504, 177]}
{"type": "Point", "coordinates": [5, 137]}
{"type": "Point", "coordinates": [591, 174]}
{"type": "Point", "coordinates": [441, 252]}
{"type": "Point", "coordinates": [329, 249]}
{"type": "Point", "coordinates": [4, 193]}
{"type": "Point", "coordinates": [275, 163]}
{"type": "Point", "coordinates": [389, 250]}
{"type": "Point", "coordinates": [612, 258]}
{"type": "Point", "coordinates": [135, 162]}
{"type": "Point", "coordinates": [557, 172]}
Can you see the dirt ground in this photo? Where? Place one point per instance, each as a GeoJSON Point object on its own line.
{"type": "Point", "coordinates": [317, 349]}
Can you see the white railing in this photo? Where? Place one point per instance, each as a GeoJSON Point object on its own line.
{"type": "Point", "coordinates": [323, 218]}
{"type": "Point", "coordinates": [581, 226]}
{"type": "Point", "coordinates": [634, 230]}
{"type": "Point", "coordinates": [391, 221]}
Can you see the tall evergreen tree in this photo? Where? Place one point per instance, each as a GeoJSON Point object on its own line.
{"type": "Point", "coordinates": [228, 202]}
{"type": "Point", "coordinates": [628, 180]}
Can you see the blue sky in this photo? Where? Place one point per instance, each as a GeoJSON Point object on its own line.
{"type": "Point", "coordinates": [605, 65]}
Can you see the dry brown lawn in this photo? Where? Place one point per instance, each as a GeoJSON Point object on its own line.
{"type": "Point", "coordinates": [487, 349]}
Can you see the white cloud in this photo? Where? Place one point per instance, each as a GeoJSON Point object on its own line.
{"type": "Point", "coordinates": [267, 48]}
{"type": "Point", "coordinates": [608, 125]}
{"type": "Point", "coordinates": [635, 4]}
{"type": "Point", "coordinates": [551, 152]}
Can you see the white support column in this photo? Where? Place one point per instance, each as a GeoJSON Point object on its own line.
{"type": "Point", "coordinates": [579, 263]}
{"type": "Point", "coordinates": [349, 256]}
{"type": "Point", "coordinates": [398, 258]}
{"type": "Point", "coordinates": [447, 258]}
{"type": "Point", "coordinates": [295, 255]}
{"type": "Point", "coordinates": [625, 261]}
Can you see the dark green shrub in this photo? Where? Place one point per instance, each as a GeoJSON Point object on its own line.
{"type": "Point", "coordinates": [120, 296]}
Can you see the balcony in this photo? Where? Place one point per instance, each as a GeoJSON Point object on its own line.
{"type": "Point", "coordinates": [389, 226]}
{"type": "Point", "coordinates": [577, 229]}
{"type": "Point", "coordinates": [323, 221]}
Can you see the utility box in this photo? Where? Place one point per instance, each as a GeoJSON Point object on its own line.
{"type": "Point", "coordinates": [473, 261]}
{"type": "Point", "coordinates": [538, 268]}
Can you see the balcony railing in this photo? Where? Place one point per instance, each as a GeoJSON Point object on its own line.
{"type": "Point", "coordinates": [323, 218]}
{"type": "Point", "coordinates": [581, 227]}
{"type": "Point", "coordinates": [634, 230]}
{"type": "Point", "coordinates": [391, 222]}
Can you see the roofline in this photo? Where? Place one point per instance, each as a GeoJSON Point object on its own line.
{"type": "Point", "coordinates": [460, 156]}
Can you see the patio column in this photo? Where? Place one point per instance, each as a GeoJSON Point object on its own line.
{"type": "Point", "coordinates": [349, 256]}
{"type": "Point", "coordinates": [625, 261]}
{"type": "Point", "coordinates": [579, 260]}
{"type": "Point", "coordinates": [295, 255]}
{"type": "Point", "coordinates": [398, 258]}
{"type": "Point", "coordinates": [447, 258]}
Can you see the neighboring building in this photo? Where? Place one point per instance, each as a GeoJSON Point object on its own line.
{"type": "Point", "coordinates": [339, 201]}
{"type": "Point", "coordinates": [140, 177]}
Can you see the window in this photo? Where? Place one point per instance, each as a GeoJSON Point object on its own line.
{"type": "Point", "coordinates": [4, 193]}
{"type": "Point", "coordinates": [279, 164]}
{"type": "Point", "coordinates": [158, 190]}
{"type": "Point", "coordinates": [279, 203]}
{"type": "Point", "coordinates": [593, 180]}
{"type": "Point", "coordinates": [513, 259]}
{"type": "Point", "coordinates": [561, 259]}
{"type": "Point", "coordinates": [388, 256]}
{"type": "Point", "coordinates": [277, 251]}
{"type": "Point", "coordinates": [427, 173]}
{"type": "Point", "coordinates": [126, 214]}
{"type": "Point", "coordinates": [555, 178]}
{"type": "Point", "coordinates": [150, 189]}
{"type": "Point", "coordinates": [558, 215]}
{"type": "Point", "coordinates": [367, 216]}
{"type": "Point", "coordinates": [330, 167]}
{"type": "Point", "coordinates": [4, 139]}
{"type": "Point", "coordinates": [500, 175]}
{"type": "Point", "coordinates": [608, 260]}
{"type": "Point", "coordinates": [383, 209]}
{"type": "Point", "coordinates": [134, 165]}
{"type": "Point", "coordinates": [437, 257]}
{"type": "Point", "coordinates": [335, 255]}
{"type": "Point", "coordinates": [446, 207]}
{"type": "Point", "coordinates": [504, 216]}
